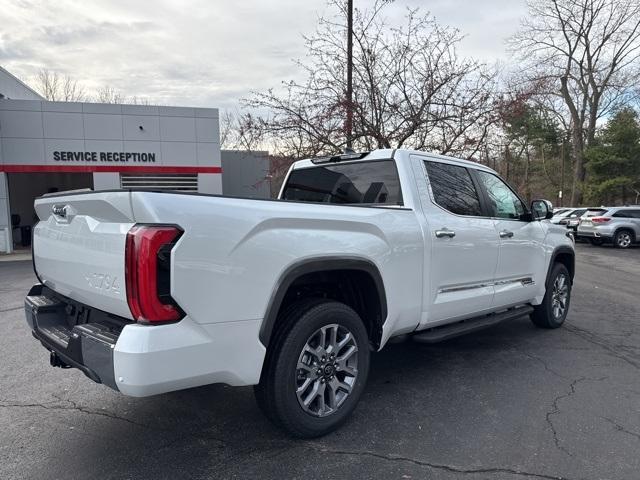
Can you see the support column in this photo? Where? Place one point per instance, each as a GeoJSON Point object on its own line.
{"type": "Point", "coordinates": [6, 234]}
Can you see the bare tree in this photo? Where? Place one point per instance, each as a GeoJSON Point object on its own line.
{"type": "Point", "coordinates": [411, 89]}
{"type": "Point", "coordinates": [586, 53]}
{"type": "Point", "coordinates": [56, 87]}
{"type": "Point", "coordinates": [109, 94]}
{"type": "Point", "coordinates": [241, 131]}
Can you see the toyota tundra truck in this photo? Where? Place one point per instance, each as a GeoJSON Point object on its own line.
{"type": "Point", "coordinates": [148, 292]}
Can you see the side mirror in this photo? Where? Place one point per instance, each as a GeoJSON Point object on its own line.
{"type": "Point", "coordinates": [541, 209]}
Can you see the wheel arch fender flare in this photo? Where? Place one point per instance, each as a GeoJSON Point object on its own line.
{"type": "Point", "coordinates": [563, 252]}
{"type": "Point", "coordinates": [316, 265]}
{"type": "Point", "coordinates": [626, 229]}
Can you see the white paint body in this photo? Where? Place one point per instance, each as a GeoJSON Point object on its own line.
{"type": "Point", "coordinates": [233, 252]}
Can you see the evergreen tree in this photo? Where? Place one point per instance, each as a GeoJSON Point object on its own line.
{"type": "Point", "coordinates": [614, 163]}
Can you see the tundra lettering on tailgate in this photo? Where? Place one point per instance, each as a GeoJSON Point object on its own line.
{"type": "Point", "coordinates": [103, 281]}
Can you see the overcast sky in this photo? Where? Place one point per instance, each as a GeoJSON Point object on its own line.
{"type": "Point", "coordinates": [206, 53]}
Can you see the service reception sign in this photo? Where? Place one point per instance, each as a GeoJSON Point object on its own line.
{"type": "Point", "coordinates": [133, 157]}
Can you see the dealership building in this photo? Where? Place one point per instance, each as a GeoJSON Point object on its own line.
{"type": "Point", "coordinates": [56, 146]}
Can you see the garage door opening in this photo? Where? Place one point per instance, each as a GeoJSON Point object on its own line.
{"type": "Point", "coordinates": [23, 190]}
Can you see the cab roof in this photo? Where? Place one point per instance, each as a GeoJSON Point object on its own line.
{"type": "Point", "coordinates": [388, 153]}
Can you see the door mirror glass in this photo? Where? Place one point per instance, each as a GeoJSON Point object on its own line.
{"type": "Point", "coordinates": [541, 209]}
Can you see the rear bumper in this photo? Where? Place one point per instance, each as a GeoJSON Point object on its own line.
{"type": "Point", "coordinates": [87, 346]}
{"type": "Point", "coordinates": [142, 360]}
{"type": "Point", "coordinates": [593, 234]}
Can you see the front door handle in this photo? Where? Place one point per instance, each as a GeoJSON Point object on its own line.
{"type": "Point", "coordinates": [506, 234]}
{"type": "Point", "coordinates": [445, 232]}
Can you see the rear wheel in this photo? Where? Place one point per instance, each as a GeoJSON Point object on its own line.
{"type": "Point", "coordinates": [596, 241]}
{"type": "Point", "coordinates": [552, 312]}
{"type": "Point", "coordinates": [623, 239]}
{"type": "Point", "coordinates": [317, 369]}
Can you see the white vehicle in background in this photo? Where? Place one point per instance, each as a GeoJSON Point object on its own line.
{"type": "Point", "coordinates": [149, 292]}
{"type": "Point", "coordinates": [563, 217]}
{"type": "Point", "coordinates": [560, 211]}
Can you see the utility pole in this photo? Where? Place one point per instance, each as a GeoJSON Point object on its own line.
{"type": "Point", "coordinates": [349, 122]}
{"type": "Point", "coordinates": [562, 173]}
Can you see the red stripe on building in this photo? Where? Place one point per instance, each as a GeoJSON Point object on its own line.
{"type": "Point", "coordinates": [105, 168]}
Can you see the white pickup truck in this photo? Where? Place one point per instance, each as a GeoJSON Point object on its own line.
{"type": "Point", "coordinates": [149, 292]}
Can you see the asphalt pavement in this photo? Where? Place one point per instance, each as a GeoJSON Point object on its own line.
{"type": "Point", "coordinates": [510, 402]}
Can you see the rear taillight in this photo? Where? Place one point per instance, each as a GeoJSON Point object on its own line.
{"type": "Point", "coordinates": [147, 273]}
{"type": "Point", "coordinates": [600, 219]}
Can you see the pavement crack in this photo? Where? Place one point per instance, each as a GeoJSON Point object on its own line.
{"type": "Point", "coordinates": [546, 366]}
{"type": "Point", "coordinates": [13, 309]}
{"type": "Point", "coordinates": [555, 410]}
{"type": "Point", "coordinates": [435, 466]}
{"type": "Point", "coordinates": [104, 413]}
{"type": "Point", "coordinates": [621, 428]}
{"type": "Point", "coordinates": [590, 337]}
{"type": "Point", "coordinates": [72, 406]}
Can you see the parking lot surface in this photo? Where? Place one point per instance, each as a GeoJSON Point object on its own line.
{"type": "Point", "coordinates": [510, 402]}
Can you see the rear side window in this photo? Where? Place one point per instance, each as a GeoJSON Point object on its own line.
{"type": "Point", "coordinates": [453, 188]}
{"type": "Point", "coordinates": [373, 182]}
{"type": "Point", "coordinates": [627, 214]}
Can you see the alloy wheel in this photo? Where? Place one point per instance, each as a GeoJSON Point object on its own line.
{"type": "Point", "coordinates": [623, 240]}
{"type": "Point", "coordinates": [559, 296]}
{"type": "Point", "coordinates": [327, 370]}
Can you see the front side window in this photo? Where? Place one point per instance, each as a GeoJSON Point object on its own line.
{"type": "Point", "coordinates": [373, 182]}
{"type": "Point", "coordinates": [453, 188]}
{"type": "Point", "coordinates": [503, 203]}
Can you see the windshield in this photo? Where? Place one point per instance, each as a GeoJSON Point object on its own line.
{"type": "Point", "coordinates": [373, 182]}
{"type": "Point", "coordinates": [560, 211]}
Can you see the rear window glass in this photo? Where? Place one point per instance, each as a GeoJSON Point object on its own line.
{"type": "Point", "coordinates": [595, 212]}
{"type": "Point", "coordinates": [351, 183]}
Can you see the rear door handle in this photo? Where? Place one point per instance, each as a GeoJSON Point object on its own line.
{"type": "Point", "coordinates": [445, 232]}
{"type": "Point", "coordinates": [506, 234]}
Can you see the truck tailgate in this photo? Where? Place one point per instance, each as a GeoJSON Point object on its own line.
{"type": "Point", "coordinates": [79, 247]}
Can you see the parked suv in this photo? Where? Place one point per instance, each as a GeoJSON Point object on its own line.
{"type": "Point", "coordinates": [617, 225]}
{"type": "Point", "coordinates": [573, 221]}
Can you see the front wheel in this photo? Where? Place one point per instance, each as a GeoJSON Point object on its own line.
{"type": "Point", "coordinates": [552, 312]}
{"type": "Point", "coordinates": [316, 372]}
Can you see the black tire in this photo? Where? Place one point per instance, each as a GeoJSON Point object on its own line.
{"type": "Point", "coordinates": [596, 241]}
{"type": "Point", "coordinates": [545, 314]}
{"type": "Point", "coordinates": [623, 238]}
{"type": "Point", "coordinates": [276, 393]}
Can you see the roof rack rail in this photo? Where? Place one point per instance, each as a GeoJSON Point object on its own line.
{"type": "Point", "coordinates": [348, 154]}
